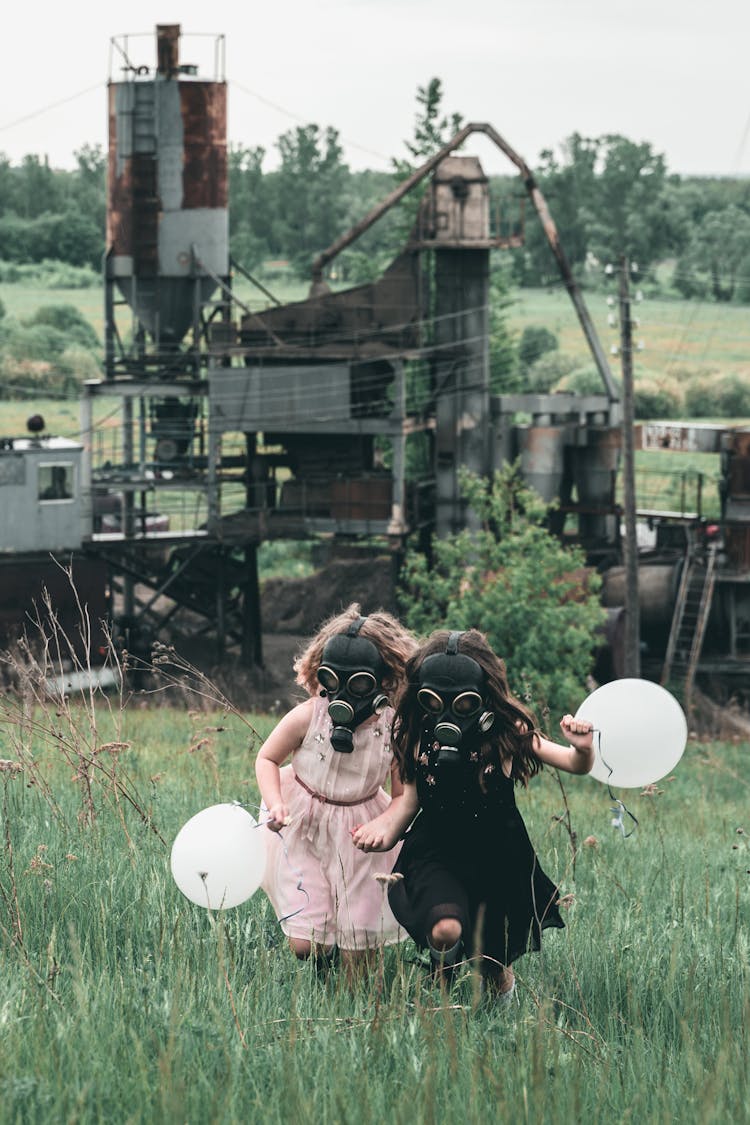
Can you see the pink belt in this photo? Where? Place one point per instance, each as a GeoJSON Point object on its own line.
{"type": "Point", "coordinates": [330, 800]}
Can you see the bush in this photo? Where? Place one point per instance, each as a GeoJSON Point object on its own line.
{"type": "Point", "coordinates": [68, 320]}
{"type": "Point", "coordinates": [583, 381]}
{"type": "Point", "coordinates": [49, 274]}
{"type": "Point", "coordinates": [549, 370]}
{"type": "Point", "coordinates": [717, 395]}
{"type": "Point", "coordinates": [657, 395]}
{"type": "Point", "coordinates": [533, 597]}
{"type": "Point", "coordinates": [76, 365]}
{"type": "Point", "coordinates": [535, 342]}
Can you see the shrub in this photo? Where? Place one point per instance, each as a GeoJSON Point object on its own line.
{"type": "Point", "coordinates": [49, 274]}
{"type": "Point", "coordinates": [76, 365]}
{"type": "Point", "coordinates": [536, 341]}
{"type": "Point", "coordinates": [717, 395]}
{"type": "Point", "coordinates": [583, 381]}
{"type": "Point", "coordinates": [549, 370]}
{"type": "Point", "coordinates": [66, 319]}
{"type": "Point", "coordinates": [532, 596]}
{"type": "Point", "coordinates": [657, 395]}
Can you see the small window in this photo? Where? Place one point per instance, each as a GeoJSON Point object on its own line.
{"type": "Point", "coordinates": [56, 482]}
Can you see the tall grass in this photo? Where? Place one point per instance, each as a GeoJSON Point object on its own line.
{"type": "Point", "coordinates": [122, 1001]}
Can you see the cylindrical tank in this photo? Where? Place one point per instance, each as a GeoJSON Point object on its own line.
{"type": "Point", "coordinates": [167, 218]}
{"type": "Point", "coordinates": [657, 589]}
{"type": "Point", "coordinates": [542, 451]}
{"type": "Point", "coordinates": [594, 473]}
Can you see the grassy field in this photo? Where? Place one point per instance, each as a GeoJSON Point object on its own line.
{"type": "Point", "coordinates": [682, 338]}
{"type": "Point", "coordinates": [678, 336]}
{"type": "Point", "coordinates": [121, 1001]}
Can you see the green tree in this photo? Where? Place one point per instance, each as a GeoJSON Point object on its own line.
{"type": "Point", "coordinates": [609, 196]}
{"type": "Point", "coordinates": [432, 127]}
{"type": "Point", "coordinates": [251, 210]}
{"type": "Point", "coordinates": [511, 578]}
{"type": "Point", "coordinates": [310, 188]}
{"type": "Point", "coordinates": [717, 255]}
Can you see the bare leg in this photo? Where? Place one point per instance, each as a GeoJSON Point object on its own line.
{"type": "Point", "coordinates": [445, 948]}
{"type": "Point", "coordinates": [304, 949]}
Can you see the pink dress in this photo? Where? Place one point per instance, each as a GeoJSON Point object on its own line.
{"type": "Point", "coordinates": [322, 887]}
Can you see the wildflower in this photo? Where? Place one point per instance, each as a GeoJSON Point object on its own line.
{"type": "Point", "coordinates": [11, 767]}
{"type": "Point", "coordinates": [388, 880]}
{"type": "Point", "coordinates": [591, 842]}
{"type": "Point", "coordinates": [37, 866]}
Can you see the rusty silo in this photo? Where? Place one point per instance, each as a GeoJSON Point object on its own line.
{"type": "Point", "coordinates": [167, 217]}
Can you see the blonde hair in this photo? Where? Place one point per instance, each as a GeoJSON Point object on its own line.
{"type": "Point", "coordinates": [393, 641]}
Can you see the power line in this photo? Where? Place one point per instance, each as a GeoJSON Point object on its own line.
{"type": "Point", "coordinates": [305, 120]}
{"type": "Point", "coordinates": [49, 108]}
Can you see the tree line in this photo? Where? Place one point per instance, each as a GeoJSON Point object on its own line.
{"type": "Point", "coordinates": [609, 196]}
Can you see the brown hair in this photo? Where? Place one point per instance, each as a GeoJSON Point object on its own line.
{"type": "Point", "coordinates": [393, 641]}
{"type": "Point", "coordinates": [514, 731]}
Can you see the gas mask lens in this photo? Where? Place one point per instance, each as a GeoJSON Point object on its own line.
{"type": "Point", "coordinates": [359, 685]}
{"type": "Point", "coordinates": [465, 705]}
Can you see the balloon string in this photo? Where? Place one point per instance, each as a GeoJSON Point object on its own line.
{"type": "Point", "coordinates": [300, 878]}
{"type": "Point", "coordinates": [619, 808]}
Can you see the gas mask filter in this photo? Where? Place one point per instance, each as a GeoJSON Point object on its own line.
{"type": "Point", "coordinates": [350, 674]}
{"type": "Point", "coordinates": [451, 694]}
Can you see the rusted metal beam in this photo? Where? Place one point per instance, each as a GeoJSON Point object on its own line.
{"type": "Point", "coordinates": [542, 210]}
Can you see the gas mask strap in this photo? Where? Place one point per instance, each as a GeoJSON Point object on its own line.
{"type": "Point", "coordinates": [355, 627]}
{"type": "Point", "coordinates": [452, 647]}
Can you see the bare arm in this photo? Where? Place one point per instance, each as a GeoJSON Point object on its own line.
{"type": "Point", "coordinates": [380, 834]}
{"type": "Point", "coordinates": [578, 757]}
{"type": "Point", "coordinates": [284, 739]}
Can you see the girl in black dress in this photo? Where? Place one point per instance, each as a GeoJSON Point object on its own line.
{"type": "Point", "coordinates": [471, 882]}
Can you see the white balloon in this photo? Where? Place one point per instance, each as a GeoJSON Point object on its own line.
{"type": "Point", "coordinates": [219, 857]}
{"type": "Point", "coordinates": [642, 732]}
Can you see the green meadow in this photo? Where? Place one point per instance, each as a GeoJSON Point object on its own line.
{"type": "Point", "coordinates": [682, 340]}
{"type": "Point", "coordinates": [121, 1001]}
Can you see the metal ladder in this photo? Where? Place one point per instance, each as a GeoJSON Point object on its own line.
{"type": "Point", "coordinates": [691, 612]}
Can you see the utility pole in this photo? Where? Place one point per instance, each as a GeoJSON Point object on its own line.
{"type": "Point", "coordinates": [630, 545]}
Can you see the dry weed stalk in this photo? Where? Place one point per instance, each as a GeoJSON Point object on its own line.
{"type": "Point", "coordinates": [38, 710]}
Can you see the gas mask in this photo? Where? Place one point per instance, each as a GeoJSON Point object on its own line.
{"type": "Point", "coordinates": [350, 674]}
{"type": "Point", "coordinates": [451, 694]}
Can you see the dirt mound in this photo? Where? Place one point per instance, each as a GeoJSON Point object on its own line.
{"type": "Point", "coordinates": [300, 605]}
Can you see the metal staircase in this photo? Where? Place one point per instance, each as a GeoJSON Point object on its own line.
{"type": "Point", "coordinates": [691, 613]}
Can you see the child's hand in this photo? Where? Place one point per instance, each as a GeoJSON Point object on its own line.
{"type": "Point", "coordinates": [278, 816]}
{"type": "Point", "coordinates": [578, 732]}
{"type": "Point", "coordinates": [372, 837]}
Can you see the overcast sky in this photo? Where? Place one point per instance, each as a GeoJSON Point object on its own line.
{"type": "Point", "coordinates": [674, 73]}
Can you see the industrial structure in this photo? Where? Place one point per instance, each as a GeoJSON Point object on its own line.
{"type": "Point", "coordinates": [347, 415]}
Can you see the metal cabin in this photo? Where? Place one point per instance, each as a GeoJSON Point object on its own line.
{"type": "Point", "coordinates": [44, 525]}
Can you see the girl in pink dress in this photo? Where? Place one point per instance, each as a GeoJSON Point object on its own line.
{"type": "Point", "coordinates": [324, 890]}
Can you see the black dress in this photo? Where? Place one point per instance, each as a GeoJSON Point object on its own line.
{"type": "Point", "coordinates": [468, 856]}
